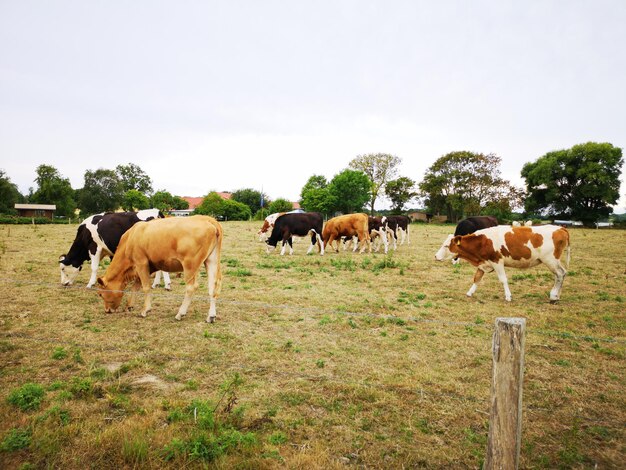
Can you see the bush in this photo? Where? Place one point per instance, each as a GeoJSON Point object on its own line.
{"type": "Point", "coordinates": [16, 439]}
{"type": "Point", "coordinates": [28, 397]}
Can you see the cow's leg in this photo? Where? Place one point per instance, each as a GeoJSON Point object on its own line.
{"type": "Point", "coordinates": [499, 269]}
{"type": "Point", "coordinates": [144, 276]}
{"type": "Point", "coordinates": [290, 241]}
{"type": "Point", "coordinates": [157, 280]}
{"type": "Point", "coordinates": [130, 303]}
{"type": "Point", "coordinates": [190, 272]}
{"type": "Point", "coordinates": [95, 263]}
{"type": "Point", "coordinates": [214, 275]}
{"type": "Point", "coordinates": [166, 280]}
{"type": "Point", "coordinates": [559, 276]}
{"type": "Point", "coordinates": [330, 243]}
{"type": "Point", "coordinates": [478, 275]}
{"type": "Point", "coordinates": [408, 234]}
{"type": "Point", "coordinates": [313, 240]}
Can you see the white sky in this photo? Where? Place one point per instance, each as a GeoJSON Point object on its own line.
{"type": "Point", "coordinates": [207, 95]}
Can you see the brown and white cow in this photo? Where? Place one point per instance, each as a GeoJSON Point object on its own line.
{"type": "Point", "coordinates": [464, 227]}
{"type": "Point", "coordinates": [347, 226]}
{"type": "Point", "coordinates": [493, 248]}
{"type": "Point", "coordinates": [265, 231]}
{"type": "Point", "coordinates": [175, 244]}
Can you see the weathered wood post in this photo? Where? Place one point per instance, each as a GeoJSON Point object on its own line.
{"type": "Point", "coordinates": [505, 419]}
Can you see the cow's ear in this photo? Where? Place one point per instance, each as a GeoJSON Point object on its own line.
{"type": "Point", "coordinates": [61, 258]}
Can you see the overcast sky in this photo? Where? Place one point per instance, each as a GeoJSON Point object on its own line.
{"type": "Point", "coordinates": [207, 95]}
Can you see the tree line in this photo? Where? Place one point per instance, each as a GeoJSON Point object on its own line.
{"type": "Point", "coordinates": [579, 183]}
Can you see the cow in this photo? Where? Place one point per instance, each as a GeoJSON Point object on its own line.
{"type": "Point", "coordinates": [464, 227]}
{"type": "Point", "coordinates": [97, 236]}
{"type": "Point", "coordinates": [347, 226]}
{"type": "Point", "coordinates": [268, 224]}
{"type": "Point", "coordinates": [296, 224]}
{"type": "Point", "coordinates": [493, 248]}
{"type": "Point", "coordinates": [399, 224]}
{"type": "Point", "coordinates": [174, 244]}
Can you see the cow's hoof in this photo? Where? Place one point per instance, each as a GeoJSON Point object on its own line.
{"type": "Point", "coordinates": [554, 301]}
{"type": "Point", "coordinates": [210, 320]}
{"type": "Point", "coordinates": [168, 287]}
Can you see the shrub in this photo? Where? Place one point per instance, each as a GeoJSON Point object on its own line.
{"type": "Point", "coordinates": [28, 397]}
{"type": "Point", "coordinates": [16, 439]}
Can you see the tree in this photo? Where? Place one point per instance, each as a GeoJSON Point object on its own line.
{"type": "Point", "coordinates": [131, 176]}
{"type": "Point", "coordinates": [579, 183]}
{"type": "Point", "coordinates": [462, 184]}
{"type": "Point", "coordinates": [179, 203]}
{"type": "Point", "coordinates": [379, 168]}
{"type": "Point", "coordinates": [9, 194]}
{"type": "Point", "coordinates": [315, 196]}
{"type": "Point", "coordinates": [350, 191]}
{"type": "Point", "coordinates": [400, 191]}
{"type": "Point", "coordinates": [163, 200]}
{"type": "Point", "coordinates": [101, 192]}
{"type": "Point", "coordinates": [135, 200]}
{"type": "Point", "coordinates": [280, 205]}
{"type": "Point", "coordinates": [215, 206]}
{"type": "Point", "coordinates": [54, 189]}
{"type": "Point", "coordinates": [250, 197]}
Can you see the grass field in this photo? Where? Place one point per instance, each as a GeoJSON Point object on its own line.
{"type": "Point", "coordinates": [368, 361]}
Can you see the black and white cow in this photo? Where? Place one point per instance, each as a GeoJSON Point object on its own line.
{"type": "Point", "coordinates": [464, 227]}
{"type": "Point", "coordinates": [377, 227]}
{"type": "Point", "coordinates": [399, 225]}
{"type": "Point", "coordinates": [300, 225]}
{"type": "Point", "coordinates": [98, 236]}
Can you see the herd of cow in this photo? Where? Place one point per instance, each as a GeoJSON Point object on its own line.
{"type": "Point", "coordinates": [184, 244]}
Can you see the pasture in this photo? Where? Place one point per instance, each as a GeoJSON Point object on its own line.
{"type": "Point", "coordinates": [345, 360]}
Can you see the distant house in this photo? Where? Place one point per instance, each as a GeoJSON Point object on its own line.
{"type": "Point", "coordinates": [36, 210]}
{"type": "Point", "coordinates": [568, 223]}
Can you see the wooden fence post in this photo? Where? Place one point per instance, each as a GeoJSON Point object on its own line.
{"type": "Point", "coordinates": [505, 418]}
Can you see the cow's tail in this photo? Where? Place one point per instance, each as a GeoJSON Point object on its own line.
{"type": "Point", "coordinates": [568, 251]}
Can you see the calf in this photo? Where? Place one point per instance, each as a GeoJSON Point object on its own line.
{"type": "Point", "coordinates": [175, 244]}
{"type": "Point", "coordinates": [98, 236]}
{"type": "Point", "coordinates": [347, 226]}
{"type": "Point", "coordinates": [464, 227]}
{"type": "Point", "coordinates": [377, 227]}
{"type": "Point", "coordinates": [493, 248]}
{"type": "Point", "coordinates": [296, 224]}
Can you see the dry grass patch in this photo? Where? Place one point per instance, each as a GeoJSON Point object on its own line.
{"type": "Point", "coordinates": [314, 362]}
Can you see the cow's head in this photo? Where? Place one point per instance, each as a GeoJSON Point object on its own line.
{"type": "Point", "coordinates": [444, 252]}
{"type": "Point", "coordinates": [68, 272]}
{"type": "Point", "coordinates": [271, 245]}
{"type": "Point", "coordinates": [112, 297]}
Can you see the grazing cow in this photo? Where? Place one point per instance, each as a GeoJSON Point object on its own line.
{"type": "Point", "coordinates": [268, 224]}
{"type": "Point", "coordinates": [296, 224]}
{"type": "Point", "coordinates": [399, 224]}
{"type": "Point", "coordinates": [464, 227]}
{"type": "Point", "coordinates": [493, 248]}
{"type": "Point", "coordinates": [347, 226]}
{"type": "Point", "coordinates": [98, 236]}
{"type": "Point", "coordinates": [175, 244]}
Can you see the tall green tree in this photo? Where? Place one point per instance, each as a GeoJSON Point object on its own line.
{"type": "Point", "coordinates": [163, 200]}
{"type": "Point", "coordinates": [315, 196]}
{"type": "Point", "coordinates": [179, 203]}
{"type": "Point", "coordinates": [9, 194]}
{"type": "Point", "coordinates": [53, 188]}
{"type": "Point", "coordinates": [400, 191]}
{"type": "Point", "coordinates": [462, 184]}
{"type": "Point", "coordinates": [102, 192]}
{"type": "Point", "coordinates": [131, 176]}
{"type": "Point", "coordinates": [135, 200]}
{"type": "Point", "coordinates": [579, 183]}
{"type": "Point", "coordinates": [250, 197]}
{"type": "Point", "coordinates": [379, 168]}
{"type": "Point", "coordinates": [350, 190]}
